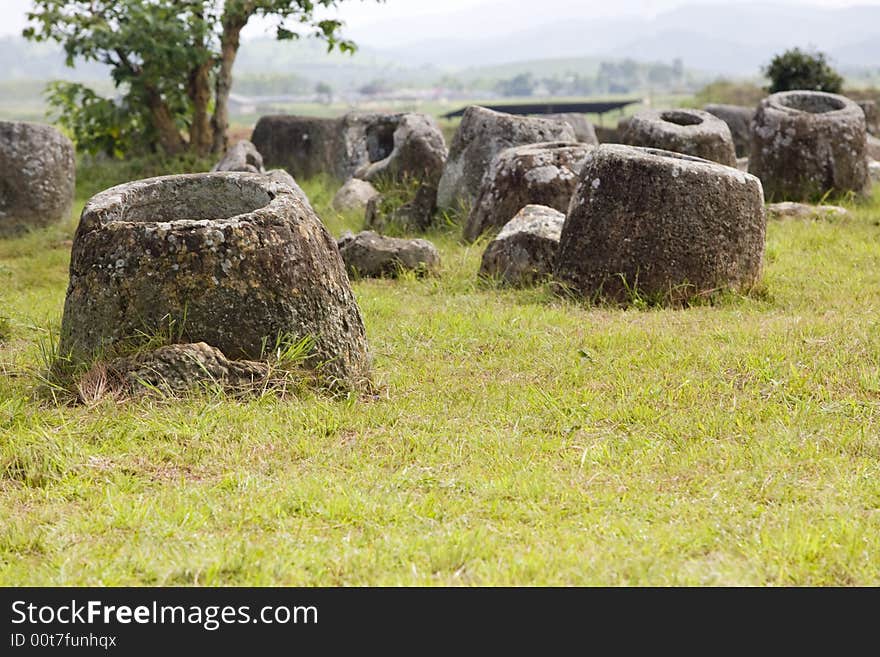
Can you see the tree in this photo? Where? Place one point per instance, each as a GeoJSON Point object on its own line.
{"type": "Point", "coordinates": [519, 85]}
{"type": "Point", "coordinates": [798, 69]}
{"type": "Point", "coordinates": [172, 60]}
{"type": "Point", "coordinates": [325, 92]}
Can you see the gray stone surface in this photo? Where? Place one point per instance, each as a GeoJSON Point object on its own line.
{"type": "Point", "coordinates": [354, 195]}
{"type": "Point", "coordinates": [873, 147]}
{"type": "Point", "coordinates": [341, 147]}
{"type": "Point", "coordinates": [872, 116]}
{"type": "Point", "coordinates": [539, 174]}
{"type": "Point", "coordinates": [369, 254]}
{"type": "Point", "coordinates": [612, 134]}
{"type": "Point", "coordinates": [303, 145]}
{"type": "Point", "coordinates": [524, 252]}
{"type": "Point", "coordinates": [418, 152]}
{"type": "Point", "coordinates": [37, 176]}
{"type": "Point", "coordinates": [739, 119]}
{"type": "Point", "coordinates": [230, 259]}
{"type": "Point", "coordinates": [241, 156]}
{"type": "Point", "coordinates": [179, 368]}
{"type": "Point", "coordinates": [690, 132]}
{"type": "Point", "coordinates": [874, 170]}
{"type": "Point", "coordinates": [806, 144]}
{"type": "Point", "coordinates": [792, 210]}
{"type": "Point", "coordinates": [668, 225]}
{"type": "Point", "coordinates": [481, 135]}
{"type": "Point", "coordinates": [584, 130]}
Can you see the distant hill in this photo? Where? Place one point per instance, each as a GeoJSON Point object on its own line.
{"type": "Point", "coordinates": [711, 39]}
{"type": "Point", "coordinates": [730, 39]}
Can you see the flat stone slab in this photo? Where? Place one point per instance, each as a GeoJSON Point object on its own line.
{"type": "Point", "coordinates": [183, 367]}
{"type": "Point", "coordinates": [793, 210]}
{"type": "Point", "coordinates": [369, 254]}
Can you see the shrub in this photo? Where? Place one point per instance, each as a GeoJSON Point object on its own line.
{"type": "Point", "coordinates": [798, 69]}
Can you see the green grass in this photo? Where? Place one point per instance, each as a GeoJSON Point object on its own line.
{"type": "Point", "coordinates": [516, 438]}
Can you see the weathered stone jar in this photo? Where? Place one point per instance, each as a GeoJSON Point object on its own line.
{"type": "Point", "coordinates": [665, 226]}
{"type": "Point", "coordinates": [230, 259]}
{"type": "Point", "coordinates": [536, 174]}
{"type": "Point", "coordinates": [37, 176]}
{"type": "Point", "coordinates": [691, 132]}
{"type": "Point", "coordinates": [806, 144]}
{"type": "Point", "coordinates": [482, 134]}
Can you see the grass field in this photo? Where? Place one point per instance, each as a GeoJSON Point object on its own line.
{"type": "Point", "coordinates": [516, 438]}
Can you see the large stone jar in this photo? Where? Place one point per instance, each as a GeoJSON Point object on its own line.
{"type": "Point", "coordinates": [687, 131]}
{"type": "Point", "coordinates": [808, 144]}
{"type": "Point", "coordinates": [37, 176]}
{"type": "Point", "coordinates": [234, 260]}
{"type": "Point", "coordinates": [661, 227]}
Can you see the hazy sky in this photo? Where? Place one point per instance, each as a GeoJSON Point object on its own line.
{"type": "Point", "coordinates": [400, 21]}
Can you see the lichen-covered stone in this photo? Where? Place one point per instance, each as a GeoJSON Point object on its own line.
{"type": "Point", "coordinates": [739, 119]}
{"type": "Point", "coordinates": [662, 225]}
{"type": "Point", "coordinates": [792, 210]}
{"type": "Point", "coordinates": [807, 144]}
{"type": "Point", "coordinates": [354, 195]}
{"type": "Point", "coordinates": [584, 130]}
{"type": "Point", "coordinates": [418, 152]}
{"type": "Point", "coordinates": [234, 260]}
{"type": "Point", "coordinates": [182, 367]}
{"type": "Point", "coordinates": [241, 156]}
{"type": "Point", "coordinates": [481, 135]}
{"type": "Point", "coordinates": [37, 176]}
{"type": "Point", "coordinates": [371, 255]}
{"type": "Point", "coordinates": [686, 131]}
{"type": "Point", "coordinates": [537, 174]}
{"type": "Point", "coordinates": [525, 250]}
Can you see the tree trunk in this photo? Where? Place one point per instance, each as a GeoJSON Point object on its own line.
{"type": "Point", "coordinates": [170, 139]}
{"type": "Point", "coordinates": [201, 133]}
{"type": "Point", "coordinates": [229, 43]}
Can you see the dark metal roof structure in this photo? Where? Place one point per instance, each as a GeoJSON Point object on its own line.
{"type": "Point", "coordinates": [553, 108]}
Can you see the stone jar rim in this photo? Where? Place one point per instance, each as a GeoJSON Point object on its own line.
{"type": "Point", "coordinates": [252, 197]}
{"type": "Point", "coordinates": [691, 121]}
{"type": "Point", "coordinates": [685, 162]}
{"type": "Point", "coordinates": [793, 103]}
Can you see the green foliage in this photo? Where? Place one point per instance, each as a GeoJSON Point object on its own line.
{"type": "Point", "coordinates": [171, 61]}
{"type": "Point", "coordinates": [799, 69]}
{"type": "Point", "coordinates": [98, 125]}
{"type": "Point", "coordinates": [5, 329]}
